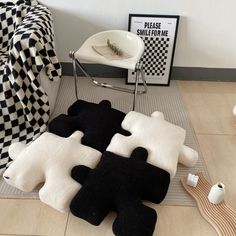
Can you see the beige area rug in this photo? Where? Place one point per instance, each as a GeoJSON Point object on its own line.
{"type": "Point", "coordinates": [165, 99]}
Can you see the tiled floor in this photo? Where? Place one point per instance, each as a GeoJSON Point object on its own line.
{"type": "Point", "coordinates": [209, 105]}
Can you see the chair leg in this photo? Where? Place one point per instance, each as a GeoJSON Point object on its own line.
{"type": "Point", "coordinates": [135, 91]}
{"type": "Point", "coordinates": [139, 71]}
{"type": "Point", "coordinates": [135, 88]}
{"type": "Point", "coordinates": [143, 80]}
{"type": "Point", "coordinates": [74, 74]}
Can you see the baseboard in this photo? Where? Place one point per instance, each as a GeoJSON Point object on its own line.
{"type": "Point", "coordinates": [204, 74]}
{"type": "Point", "coordinates": [178, 73]}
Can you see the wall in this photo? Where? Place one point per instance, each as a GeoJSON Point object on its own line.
{"type": "Point", "coordinates": [206, 37]}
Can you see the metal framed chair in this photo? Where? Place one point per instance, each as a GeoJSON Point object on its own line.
{"type": "Point", "coordinates": [128, 42]}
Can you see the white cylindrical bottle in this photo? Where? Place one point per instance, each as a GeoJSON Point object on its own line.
{"type": "Point", "coordinates": [217, 193]}
{"type": "Point", "coordinates": [192, 180]}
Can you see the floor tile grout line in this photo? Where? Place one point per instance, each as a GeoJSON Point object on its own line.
{"type": "Point", "coordinates": [67, 220]}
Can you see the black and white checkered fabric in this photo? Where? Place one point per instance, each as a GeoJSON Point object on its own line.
{"type": "Point", "coordinates": [26, 47]}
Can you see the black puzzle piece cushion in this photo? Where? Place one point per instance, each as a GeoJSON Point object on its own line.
{"type": "Point", "coordinates": [99, 123]}
{"type": "Point", "coordinates": [119, 183]}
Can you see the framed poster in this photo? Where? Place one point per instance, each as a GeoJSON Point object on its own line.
{"type": "Point", "coordinates": [159, 35]}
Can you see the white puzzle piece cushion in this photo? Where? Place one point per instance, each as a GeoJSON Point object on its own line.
{"type": "Point", "coordinates": [163, 140]}
{"type": "Point", "coordinates": [49, 160]}
{"type": "Point", "coordinates": [234, 110]}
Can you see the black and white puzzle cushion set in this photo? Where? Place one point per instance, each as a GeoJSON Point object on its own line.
{"type": "Point", "coordinates": [135, 160]}
{"type": "Point", "coordinates": [163, 140]}
{"type": "Point", "coordinates": [49, 159]}
{"type": "Point", "coordinates": [99, 123]}
{"type": "Point", "coordinates": [120, 183]}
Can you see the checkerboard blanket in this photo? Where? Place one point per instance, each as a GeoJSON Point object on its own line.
{"type": "Point", "coordinates": [26, 47]}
